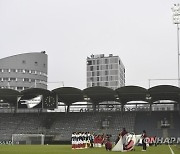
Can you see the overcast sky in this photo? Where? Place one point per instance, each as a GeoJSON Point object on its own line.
{"type": "Point", "coordinates": [141, 32]}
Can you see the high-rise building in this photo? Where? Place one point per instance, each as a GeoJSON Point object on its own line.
{"type": "Point", "coordinates": [105, 71]}
{"type": "Point", "coordinates": [23, 71]}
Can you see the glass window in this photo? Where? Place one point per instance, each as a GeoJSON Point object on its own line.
{"type": "Point", "coordinates": [13, 70]}
{"type": "Point", "coordinates": [91, 68]}
{"type": "Point", "coordinates": [26, 88]}
{"type": "Point", "coordinates": [33, 71]}
{"type": "Point", "coordinates": [27, 71]}
{"type": "Point", "coordinates": [12, 79]}
{"type": "Point", "coordinates": [26, 80]}
{"type": "Point", "coordinates": [19, 88]}
{"type": "Point", "coordinates": [20, 70]}
{"type": "Point", "coordinates": [89, 62]}
{"type": "Point", "coordinates": [6, 70]}
{"type": "Point", "coordinates": [97, 61]}
{"type": "Point", "coordinates": [106, 72]}
{"type": "Point", "coordinates": [5, 79]}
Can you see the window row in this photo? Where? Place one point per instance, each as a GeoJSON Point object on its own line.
{"type": "Point", "coordinates": [35, 63]}
{"type": "Point", "coordinates": [23, 79]}
{"type": "Point", "coordinates": [14, 88]}
{"type": "Point", "coordinates": [106, 84]}
{"type": "Point", "coordinates": [102, 67]}
{"type": "Point", "coordinates": [102, 73]}
{"type": "Point", "coordinates": [103, 61]}
{"type": "Point", "coordinates": [104, 78]}
{"type": "Point", "coordinates": [22, 71]}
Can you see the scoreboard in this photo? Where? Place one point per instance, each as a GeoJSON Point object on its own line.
{"type": "Point", "coordinates": [37, 101]}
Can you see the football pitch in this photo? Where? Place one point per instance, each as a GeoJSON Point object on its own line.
{"type": "Point", "coordinates": [66, 149]}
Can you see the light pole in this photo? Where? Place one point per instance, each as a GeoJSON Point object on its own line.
{"type": "Point", "coordinates": [176, 20]}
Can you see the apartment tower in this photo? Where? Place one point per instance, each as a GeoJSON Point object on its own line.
{"type": "Point", "coordinates": [106, 71]}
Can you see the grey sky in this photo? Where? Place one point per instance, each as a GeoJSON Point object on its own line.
{"type": "Point", "coordinates": [141, 32]}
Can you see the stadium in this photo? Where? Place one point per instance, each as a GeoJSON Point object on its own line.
{"type": "Point", "coordinates": [28, 117]}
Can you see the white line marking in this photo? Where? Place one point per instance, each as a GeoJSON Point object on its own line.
{"type": "Point", "coordinates": [172, 152]}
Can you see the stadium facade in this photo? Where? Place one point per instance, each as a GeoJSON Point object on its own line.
{"type": "Point", "coordinates": [58, 127]}
{"type": "Point", "coordinates": [107, 71]}
{"type": "Point", "coordinates": [23, 71]}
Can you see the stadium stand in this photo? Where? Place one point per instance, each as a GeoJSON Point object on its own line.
{"type": "Point", "coordinates": [61, 125]}
{"type": "Point", "coordinates": [151, 122]}
{"type": "Point", "coordinates": [58, 126]}
{"type": "Point", "coordinates": [21, 123]}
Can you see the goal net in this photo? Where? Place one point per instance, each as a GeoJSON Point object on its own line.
{"type": "Point", "coordinates": [28, 139]}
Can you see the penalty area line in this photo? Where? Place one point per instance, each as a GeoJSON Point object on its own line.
{"type": "Point", "coordinates": [172, 152]}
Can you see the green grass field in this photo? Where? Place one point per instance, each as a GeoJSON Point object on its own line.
{"type": "Point", "coordinates": [66, 149]}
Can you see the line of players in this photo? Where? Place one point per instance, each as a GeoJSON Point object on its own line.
{"type": "Point", "coordinates": [81, 140]}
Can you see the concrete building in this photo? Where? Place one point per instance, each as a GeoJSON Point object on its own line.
{"type": "Point", "coordinates": [23, 71]}
{"type": "Point", "coordinates": [105, 71]}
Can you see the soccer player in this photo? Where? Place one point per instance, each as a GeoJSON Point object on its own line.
{"type": "Point", "coordinates": [91, 140]}
{"type": "Point", "coordinates": [73, 139]}
{"type": "Point", "coordinates": [123, 132]}
{"type": "Point", "coordinates": [108, 145]}
{"type": "Point", "coordinates": [88, 139]}
{"type": "Point", "coordinates": [144, 135]}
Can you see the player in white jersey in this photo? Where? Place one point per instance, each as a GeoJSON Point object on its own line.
{"type": "Point", "coordinates": [73, 140]}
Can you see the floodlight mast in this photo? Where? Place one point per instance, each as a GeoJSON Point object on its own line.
{"type": "Point", "coordinates": [176, 20]}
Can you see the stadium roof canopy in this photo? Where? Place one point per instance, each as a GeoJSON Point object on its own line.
{"type": "Point", "coordinates": [37, 91]}
{"type": "Point", "coordinates": [131, 93]}
{"type": "Point", "coordinates": [69, 95]}
{"type": "Point", "coordinates": [9, 95]}
{"type": "Point", "coordinates": [164, 92]}
{"type": "Point", "coordinates": [99, 94]}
